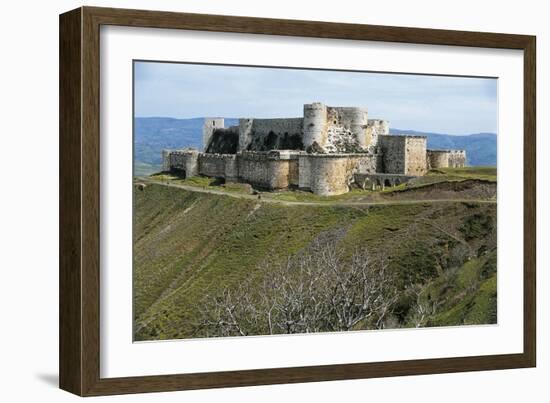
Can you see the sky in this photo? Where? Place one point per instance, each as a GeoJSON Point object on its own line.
{"type": "Point", "coordinates": [441, 104]}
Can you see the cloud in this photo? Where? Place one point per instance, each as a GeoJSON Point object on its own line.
{"type": "Point", "coordinates": [454, 105]}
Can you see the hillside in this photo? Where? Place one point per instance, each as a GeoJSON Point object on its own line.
{"type": "Point", "coordinates": [190, 245]}
{"type": "Point", "coordinates": [153, 134]}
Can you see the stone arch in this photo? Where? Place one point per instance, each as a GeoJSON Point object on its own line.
{"type": "Point", "coordinates": [387, 183]}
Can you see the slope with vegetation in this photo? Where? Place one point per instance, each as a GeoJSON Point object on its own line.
{"type": "Point", "coordinates": [192, 247]}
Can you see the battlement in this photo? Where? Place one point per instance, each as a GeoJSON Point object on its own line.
{"type": "Point", "coordinates": [457, 152]}
{"type": "Point", "coordinates": [325, 151]}
{"type": "Point", "coordinates": [271, 155]}
{"type": "Point", "coordinates": [446, 158]}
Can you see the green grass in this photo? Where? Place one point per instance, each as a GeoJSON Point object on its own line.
{"type": "Point", "coordinates": [468, 296]}
{"type": "Point", "coordinates": [354, 195]}
{"type": "Point", "coordinates": [189, 244]}
{"type": "Point", "coordinates": [144, 169]}
{"type": "Point", "coordinates": [202, 182]}
{"type": "Point", "coordinates": [454, 175]}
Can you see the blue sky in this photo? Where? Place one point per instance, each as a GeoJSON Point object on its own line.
{"type": "Point", "coordinates": [452, 105]}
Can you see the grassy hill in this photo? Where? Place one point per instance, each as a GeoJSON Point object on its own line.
{"type": "Point", "coordinates": [191, 244]}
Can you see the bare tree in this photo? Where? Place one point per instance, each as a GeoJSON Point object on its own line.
{"type": "Point", "coordinates": [318, 289]}
{"type": "Point", "coordinates": [423, 307]}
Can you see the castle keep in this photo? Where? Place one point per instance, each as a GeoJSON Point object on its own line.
{"type": "Point", "coordinates": [325, 151]}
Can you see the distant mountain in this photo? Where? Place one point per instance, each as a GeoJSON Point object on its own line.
{"type": "Point", "coordinates": [481, 148]}
{"type": "Point", "coordinates": [153, 134]}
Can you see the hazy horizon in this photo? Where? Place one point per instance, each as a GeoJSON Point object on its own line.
{"type": "Point", "coordinates": [435, 104]}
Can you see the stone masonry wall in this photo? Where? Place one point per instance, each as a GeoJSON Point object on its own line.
{"type": "Point", "coordinates": [166, 163]}
{"type": "Point", "coordinates": [457, 159]}
{"type": "Point", "coordinates": [377, 128]}
{"type": "Point", "coordinates": [415, 162]}
{"type": "Point", "coordinates": [347, 130]}
{"type": "Point", "coordinates": [304, 172]}
{"type": "Point", "coordinates": [315, 170]}
{"type": "Point", "coordinates": [181, 160]}
{"type": "Point", "coordinates": [403, 154]}
{"type": "Point", "coordinates": [267, 170]}
{"type": "Point", "coordinates": [270, 134]}
{"type": "Point", "coordinates": [330, 174]}
{"type": "Point", "coordinates": [369, 163]}
{"type": "Point", "coordinates": [213, 164]}
{"type": "Point", "coordinates": [208, 127]}
{"type": "Point", "coordinates": [446, 159]}
{"type": "Point", "coordinates": [393, 149]}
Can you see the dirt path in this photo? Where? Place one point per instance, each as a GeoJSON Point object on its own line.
{"type": "Point", "coordinates": [265, 198]}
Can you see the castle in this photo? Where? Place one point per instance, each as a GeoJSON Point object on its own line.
{"type": "Point", "coordinates": [325, 151]}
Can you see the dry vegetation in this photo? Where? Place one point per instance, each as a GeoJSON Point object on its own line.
{"type": "Point", "coordinates": [212, 265]}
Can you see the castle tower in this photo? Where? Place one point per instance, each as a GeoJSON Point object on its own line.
{"type": "Point", "coordinates": [208, 128]}
{"type": "Point", "coordinates": [376, 128]}
{"type": "Point", "coordinates": [166, 160]}
{"type": "Point", "coordinates": [315, 125]}
{"type": "Point", "coordinates": [357, 119]}
{"type": "Point", "coordinates": [245, 133]}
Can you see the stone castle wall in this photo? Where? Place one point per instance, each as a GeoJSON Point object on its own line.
{"type": "Point", "coordinates": [393, 151]}
{"type": "Point", "coordinates": [181, 160]}
{"type": "Point", "coordinates": [321, 129]}
{"type": "Point", "coordinates": [377, 128]}
{"type": "Point", "coordinates": [270, 134]}
{"type": "Point", "coordinates": [331, 174]}
{"type": "Point", "coordinates": [273, 170]}
{"type": "Point", "coordinates": [208, 128]}
{"type": "Point", "coordinates": [304, 172]}
{"type": "Point", "coordinates": [446, 159]}
{"type": "Point", "coordinates": [323, 152]}
{"type": "Point", "coordinates": [314, 125]}
{"type": "Point", "coordinates": [347, 130]}
{"type": "Point", "coordinates": [415, 163]}
{"type": "Point", "coordinates": [404, 155]}
{"type": "Point", "coordinates": [213, 164]}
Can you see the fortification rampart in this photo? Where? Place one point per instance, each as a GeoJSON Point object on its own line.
{"type": "Point", "coordinates": [404, 155]}
{"type": "Point", "coordinates": [214, 165]}
{"type": "Point", "coordinates": [270, 134]}
{"type": "Point", "coordinates": [315, 126]}
{"type": "Point", "coordinates": [415, 163]}
{"type": "Point", "coordinates": [208, 128]}
{"type": "Point", "coordinates": [325, 151]}
{"type": "Point", "coordinates": [375, 129]}
{"type": "Point", "coordinates": [331, 174]}
{"type": "Point", "coordinates": [379, 181]}
{"type": "Point", "coordinates": [271, 170]}
{"type": "Point", "coordinates": [346, 130]}
{"type": "Point", "coordinates": [446, 159]}
{"type": "Point", "coordinates": [184, 161]}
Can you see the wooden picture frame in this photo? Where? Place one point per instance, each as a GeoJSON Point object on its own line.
{"type": "Point", "coordinates": [79, 348]}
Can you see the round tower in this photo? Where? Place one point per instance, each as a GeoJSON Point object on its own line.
{"type": "Point", "coordinates": [315, 125]}
{"type": "Point", "coordinates": [377, 127]}
{"type": "Point", "coordinates": [357, 120]}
